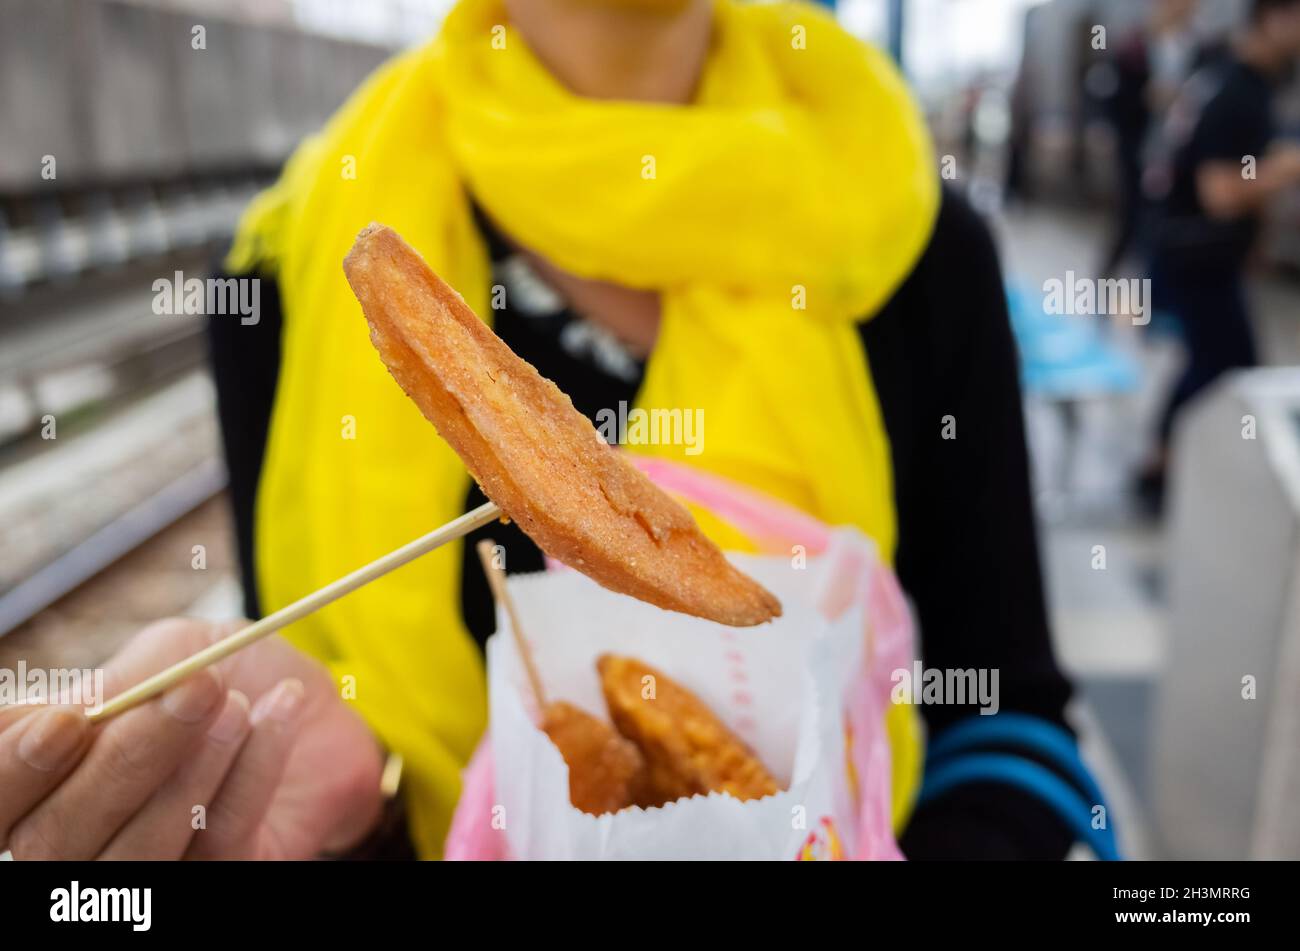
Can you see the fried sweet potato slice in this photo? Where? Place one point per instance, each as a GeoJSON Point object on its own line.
{"type": "Point", "coordinates": [534, 455]}
{"type": "Point", "coordinates": [606, 771]}
{"type": "Point", "coordinates": [687, 749]}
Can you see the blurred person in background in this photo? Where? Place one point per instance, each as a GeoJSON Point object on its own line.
{"type": "Point", "coordinates": [1216, 169]}
{"type": "Point", "coordinates": [1148, 68]}
{"type": "Point", "coordinates": [631, 192]}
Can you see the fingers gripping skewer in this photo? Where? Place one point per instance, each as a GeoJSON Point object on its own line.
{"type": "Point", "coordinates": [222, 649]}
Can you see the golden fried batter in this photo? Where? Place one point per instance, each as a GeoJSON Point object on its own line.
{"type": "Point", "coordinates": [606, 771]}
{"type": "Point", "coordinates": [534, 455]}
{"type": "Point", "coordinates": [687, 749]}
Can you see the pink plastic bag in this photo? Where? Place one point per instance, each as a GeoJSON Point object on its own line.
{"type": "Point", "coordinates": [858, 578]}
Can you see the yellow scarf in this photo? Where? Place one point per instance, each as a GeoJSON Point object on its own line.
{"type": "Point", "coordinates": [786, 202]}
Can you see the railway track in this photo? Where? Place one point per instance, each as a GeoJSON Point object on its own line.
{"type": "Point", "coordinates": [107, 438]}
{"type": "Point", "coordinates": [56, 579]}
{"type": "Point", "coordinates": [155, 579]}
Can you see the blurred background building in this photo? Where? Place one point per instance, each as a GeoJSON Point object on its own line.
{"type": "Point", "coordinates": [132, 133]}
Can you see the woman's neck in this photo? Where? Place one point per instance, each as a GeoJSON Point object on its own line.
{"type": "Point", "coordinates": [642, 50]}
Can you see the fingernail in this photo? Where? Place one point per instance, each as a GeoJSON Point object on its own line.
{"type": "Point", "coordinates": [194, 699]}
{"type": "Point", "coordinates": [281, 704]}
{"type": "Point", "coordinates": [51, 739]}
{"type": "Point", "coordinates": [233, 722]}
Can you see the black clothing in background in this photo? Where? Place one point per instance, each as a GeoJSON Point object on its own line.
{"type": "Point", "coordinates": [1234, 120]}
{"type": "Point", "coordinates": [967, 552]}
{"type": "Point", "coordinates": [1198, 261]}
{"type": "Point", "coordinates": [1129, 113]}
{"type": "Point", "coordinates": [967, 548]}
{"type": "Point", "coordinates": [1211, 307]}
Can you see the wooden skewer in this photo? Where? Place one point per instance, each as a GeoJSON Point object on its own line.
{"type": "Point", "coordinates": [147, 689]}
{"type": "Point", "coordinates": [497, 582]}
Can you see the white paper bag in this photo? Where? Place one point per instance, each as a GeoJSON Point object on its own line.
{"type": "Point", "coordinates": [782, 687]}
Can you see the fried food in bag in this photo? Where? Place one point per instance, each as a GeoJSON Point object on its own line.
{"type": "Point", "coordinates": [606, 771]}
{"type": "Point", "coordinates": [687, 749]}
